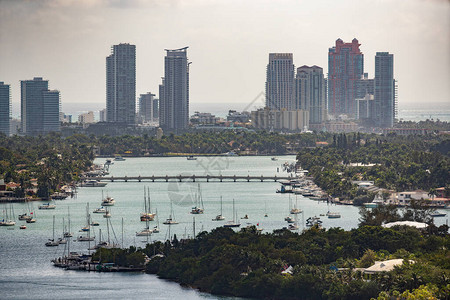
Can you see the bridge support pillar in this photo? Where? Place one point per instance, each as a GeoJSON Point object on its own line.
{"type": "Point", "coordinates": [248, 178]}
{"type": "Point", "coordinates": [221, 178]}
{"type": "Point", "coordinates": [153, 178]}
{"type": "Point", "coordinates": [193, 178]}
{"type": "Point", "coordinates": [262, 178]}
{"type": "Point", "coordinates": [139, 178]}
{"type": "Point", "coordinates": [234, 178]}
{"type": "Point", "coordinates": [167, 178]}
{"type": "Point", "coordinates": [207, 178]}
{"type": "Point", "coordinates": [126, 179]}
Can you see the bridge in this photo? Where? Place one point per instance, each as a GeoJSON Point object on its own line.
{"type": "Point", "coordinates": [192, 178]}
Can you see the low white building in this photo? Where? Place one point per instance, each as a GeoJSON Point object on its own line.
{"type": "Point", "coordinates": [404, 198]}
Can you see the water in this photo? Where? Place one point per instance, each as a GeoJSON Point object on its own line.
{"type": "Point", "coordinates": [26, 271]}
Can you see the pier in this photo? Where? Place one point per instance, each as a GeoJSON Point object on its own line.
{"type": "Point", "coordinates": [193, 178]}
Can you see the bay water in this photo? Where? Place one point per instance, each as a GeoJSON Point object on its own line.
{"type": "Point", "coordinates": [25, 263]}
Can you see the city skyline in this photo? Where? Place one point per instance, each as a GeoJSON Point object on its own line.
{"type": "Point", "coordinates": [229, 58]}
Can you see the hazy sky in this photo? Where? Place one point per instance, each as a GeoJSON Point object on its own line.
{"type": "Point", "coordinates": [66, 42]}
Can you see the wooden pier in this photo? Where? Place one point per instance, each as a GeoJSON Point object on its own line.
{"type": "Point", "coordinates": [193, 178]}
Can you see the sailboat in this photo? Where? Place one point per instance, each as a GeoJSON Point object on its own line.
{"type": "Point", "coordinates": [146, 231]}
{"type": "Point", "coordinates": [52, 242]}
{"type": "Point", "coordinates": [156, 228]}
{"type": "Point", "coordinates": [232, 223]}
{"type": "Point", "coordinates": [295, 210]}
{"type": "Point", "coordinates": [87, 227]}
{"type": "Point", "coordinates": [68, 233]}
{"type": "Point", "coordinates": [198, 208]}
{"type": "Point", "coordinates": [62, 239]}
{"type": "Point", "coordinates": [8, 221]}
{"type": "Point", "coordinates": [147, 215]}
{"type": "Point", "coordinates": [294, 226]}
{"type": "Point", "coordinates": [219, 217]}
{"type": "Point", "coordinates": [33, 218]}
{"type": "Point", "coordinates": [170, 221]}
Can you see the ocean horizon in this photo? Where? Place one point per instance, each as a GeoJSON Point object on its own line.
{"type": "Point", "coordinates": [406, 111]}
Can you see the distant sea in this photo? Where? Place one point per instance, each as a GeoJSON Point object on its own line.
{"type": "Point", "coordinates": [407, 111]}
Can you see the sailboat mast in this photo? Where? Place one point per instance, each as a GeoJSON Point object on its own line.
{"type": "Point", "coordinates": [149, 201]}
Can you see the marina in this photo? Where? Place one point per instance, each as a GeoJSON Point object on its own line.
{"type": "Point", "coordinates": [264, 208]}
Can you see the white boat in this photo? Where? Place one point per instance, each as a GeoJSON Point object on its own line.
{"type": "Point", "coordinates": [107, 214]}
{"type": "Point", "coordinates": [333, 215]}
{"type": "Point", "coordinates": [9, 219]}
{"type": "Point", "coordinates": [274, 158]}
{"type": "Point", "coordinates": [156, 228]}
{"type": "Point", "coordinates": [295, 210]}
{"type": "Point", "coordinates": [234, 223]}
{"type": "Point", "coordinates": [170, 220]}
{"type": "Point", "coordinates": [52, 242]}
{"type": "Point", "coordinates": [289, 219]}
{"type": "Point", "coordinates": [23, 227]}
{"type": "Point", "coordinates": [100, 210]}
{"type": "Point", "coordinates": [93, 183]}
{"type": "Point", "coordinates": [293, 226]}
{"type": "Point", "coordinates": [191, 157]}
{"type": "Point", "coordinates": [311, 221]}
{"type": "Point", "coordinates": [24, 217]}
{"type": "Point", "coordinates": [108, 201]}
{"type": "Point", "coordinates": [47, 206]}
{"type": "Point", "coordinates": [85, 238]}
{"type": "Point", "coordinates": [119, 158]}
{"type": "Point", "coordinates": [219, 217]}
{"type": "Point", "coordinates": [145, 232]}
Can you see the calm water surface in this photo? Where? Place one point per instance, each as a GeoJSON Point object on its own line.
{"type": "Point", "coordinates": [25, 267]}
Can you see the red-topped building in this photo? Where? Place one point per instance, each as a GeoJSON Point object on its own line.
{"type": "Point", "coordinates": [345, 67]}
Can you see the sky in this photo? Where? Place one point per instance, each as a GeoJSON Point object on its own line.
{"type": "Point", "coordinates": [67, 41]}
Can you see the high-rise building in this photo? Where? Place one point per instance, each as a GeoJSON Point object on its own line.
{"type": "Point", "coordinates": [345, 67]}
{"type": "Point", "coordinates": [174, 91]}
{"type": "Point", "coordinates": [155, 109]}
{"type": "Point", "coordinates": [51, 104]}
{"type": "Point", "coordinates": [384, 106]}
{"type": "Point", "coordinates": [280, 81]}
{"type": "Point", "coordinates": [121, 84]}
{"type": "Point", "coordinates": [146, 107]}
{"type": "Point", "coordinates": [5, 108]}
{"type": "Point", "coordinates": [310, 93]}
{"type": "Point", "coordinates": [39, 107]}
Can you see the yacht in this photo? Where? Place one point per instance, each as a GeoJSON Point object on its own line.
{"type": "Point", "coordinates": [24, 217]}
{"type": "Point", "coordinates": [333, 215]}
{"type": "Point", "coordinates": [47, 206]}
{"type": "Point", "coordinates": [108, 201]}
{"type": "Point", "coordinates": [145, 232]}
{"type": "Point", "coordinates": [289, 219]}
{"type": "Point", "coordinates": [119, 158]}
{"type": "Point", "coordinates": [100, 210]}
{"type": "Point", "coordinates": [93, 183]}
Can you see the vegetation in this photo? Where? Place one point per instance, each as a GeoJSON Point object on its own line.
{"type": "Point", "coordinates": [50, 159]}
{"type": "Point", "coordinates": [207, 143]}
{"type": "Point", "coordinates": [397, 163]}
{"type": "Point", "coordinates": [249, 264]}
